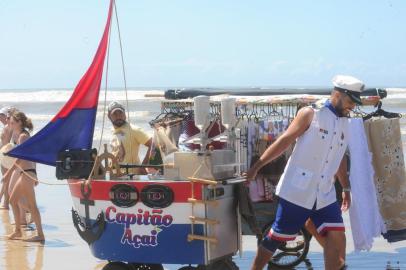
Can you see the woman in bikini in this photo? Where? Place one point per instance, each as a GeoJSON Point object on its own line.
{"type": "Point", "coordinates": [22, 190]}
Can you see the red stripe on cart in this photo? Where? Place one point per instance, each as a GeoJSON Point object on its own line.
{"type": "Point", "coordinates": [182, 190]}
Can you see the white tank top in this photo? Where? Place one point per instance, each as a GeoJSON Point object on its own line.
{"type": "Point", "coordinates": [309, 173]}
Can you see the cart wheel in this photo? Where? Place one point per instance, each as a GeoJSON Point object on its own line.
{"type": "Point", "coordinates": [223, 264]}
{"type": "Point", "coordinates": [299, 243]}
{"type": "Point", "coordinates": [116, 266]}
{"type": "Point", "coordinates": [291, 253]}
{"type": "Point", "coordinates": [146, 266]}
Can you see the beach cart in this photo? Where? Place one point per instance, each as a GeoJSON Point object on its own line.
{"type": "Point", "coordinates": [145, 223]}
{"type": "Point", "coordinates": [187, 213]}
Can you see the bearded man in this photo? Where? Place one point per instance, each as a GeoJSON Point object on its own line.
{"type": "Point", "coordinates": [127, 138]}
{"type": "Point", "coordinates": [306, 188]}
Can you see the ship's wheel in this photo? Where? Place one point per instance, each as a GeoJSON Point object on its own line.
{"type": "Point", "coordinates": [106, 162]}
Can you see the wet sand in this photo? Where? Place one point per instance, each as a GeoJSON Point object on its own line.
{"type": "Point", "coordinates": [64, 249]}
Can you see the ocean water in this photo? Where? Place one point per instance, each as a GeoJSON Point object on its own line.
{"type": "Point", "coordinates": [64, 249]}
{"type": "Point", "coordinates": [42, 105]}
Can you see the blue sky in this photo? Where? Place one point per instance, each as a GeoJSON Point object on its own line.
{"type": "Point", "coordinates": [50, 44]}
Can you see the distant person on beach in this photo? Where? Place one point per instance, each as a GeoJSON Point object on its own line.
{"type": "Point", "coordinates": [23, 178]}
{"type": "Point", "coordinates": [127, 138]}
{"type": "Point", "coordinates": [6, 134]}
{"type": "Point", "coordinates": [306, 188]}
{"type": "Point", "coordinates": [4, 119]}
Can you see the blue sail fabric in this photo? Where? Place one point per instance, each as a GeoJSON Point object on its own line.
{"type": "Point", "coordinates": [72, 132]}
{"type": "Point", "coordinates": [73, 126]}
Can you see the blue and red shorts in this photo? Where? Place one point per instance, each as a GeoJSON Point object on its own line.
{"type": "Point", "coordinates": [290, 218]}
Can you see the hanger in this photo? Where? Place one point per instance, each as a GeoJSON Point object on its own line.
{"type": "Point", "coordinates": [262, 113]}
{"type": "Point", "coordinates": [357, 112]}
{"type": "Point", "coordinates": [242, 112]}
{"type": "Point", "coordinates": [380, 112]}
{"type": "Point", "coordinates": [165, 116]}
{"type": "Point", "coordinates": [274, 112]}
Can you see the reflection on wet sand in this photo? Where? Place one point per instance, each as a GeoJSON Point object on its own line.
{"type": "Point", "coordinates": [63, 249]}
{"type": "Point", "coordinates": [17, 253]}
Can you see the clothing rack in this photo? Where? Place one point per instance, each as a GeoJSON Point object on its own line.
{"type": "Point", "coordinates": [255, 110]}
{"type": "Point", "coordinates": [245, 109]}
{"type": "Point", "coordinates": [260, 120]}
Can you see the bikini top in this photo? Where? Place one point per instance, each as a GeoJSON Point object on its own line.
{"type": "Point", "coordinates": [24, 131]}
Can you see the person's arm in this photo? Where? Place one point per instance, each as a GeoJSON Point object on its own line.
{"type": "Point", "coordinates": [6, 135]}
{"type": "Point", "coordinates": [22, 138]}
{"type": "Point", "coordinates": [146, 158]}
{"type": "Point", "coordinates": [298, 126]}
{"type": "Point", "coordinates": [7, 175]}
{"type": "Point", "coordinates": [145, 161]}
{"type": "Point", "coordinates": [19, 162]}
{"type": "Point", "coordinates": [141, 137]}
{"type": "Point", "coordinates": [345, 183]}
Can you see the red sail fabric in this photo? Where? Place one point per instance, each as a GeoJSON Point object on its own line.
{"type": "Point", "coordinates": [86, 94]}
{"type": "Point", "coordinates": [73, 126]}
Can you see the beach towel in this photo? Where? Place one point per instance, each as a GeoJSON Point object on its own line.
{"type": "Point", "coordinates": [384, 141]}
{"type": "Point", "coordinates": [365, 218]}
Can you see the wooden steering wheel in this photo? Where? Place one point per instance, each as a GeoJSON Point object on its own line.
{"type": "Point", "coordinates": [106, 162]}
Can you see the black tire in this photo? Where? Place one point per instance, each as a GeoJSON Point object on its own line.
{"type": "Point", "coordinates": [223, 264]}
{"type": "Point", "coordinates": [299, 243]}
{"type": "Point", "coordinates": [292, 253]}
{"type": "Point", "coordinates": [117, 266]}
{"type": "Point", "coordinates": [188, 268]}
{"type": "Point", "coordinates": [146, 266]}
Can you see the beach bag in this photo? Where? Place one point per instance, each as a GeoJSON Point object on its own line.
{"type": "Point", "coordinates": [6, 161]}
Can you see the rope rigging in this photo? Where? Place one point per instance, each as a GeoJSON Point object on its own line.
{"type": "Point", "coordinates": [106, 84]}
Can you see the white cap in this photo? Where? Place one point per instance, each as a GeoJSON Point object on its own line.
{"type": "Point", "coordinates": [115, 105]}
{"type": "Point", "coordinates": [349, 85]}
{"type": "Point", "coordinates": [5, 110]}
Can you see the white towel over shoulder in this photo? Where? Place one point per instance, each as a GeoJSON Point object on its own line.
{"type": "Point", "coordinates": [365, 218]}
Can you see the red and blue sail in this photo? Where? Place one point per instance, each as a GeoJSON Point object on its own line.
{"type": "Point", "coordinates": [73, 126]}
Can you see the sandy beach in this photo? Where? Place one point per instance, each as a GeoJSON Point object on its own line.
{"type": "Point", "coordinates": [64, 249]}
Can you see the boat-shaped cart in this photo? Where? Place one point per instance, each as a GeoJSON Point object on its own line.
{"type": "Point", "coordinates": [143, 222]}
{"type": "Point", "coordinates": [186, 214]}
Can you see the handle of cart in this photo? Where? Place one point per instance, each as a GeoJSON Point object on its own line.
{"type": "Point", "coordinates": [128, 166]}
{"type": "Point", "coordinates": [233, 181]}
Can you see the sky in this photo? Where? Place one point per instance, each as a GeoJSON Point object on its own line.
{"type": "Point", "coordinates": [48, 44]}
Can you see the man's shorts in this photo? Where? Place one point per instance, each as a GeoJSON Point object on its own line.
{"type": "Point", "coordinates": [290, 218]}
